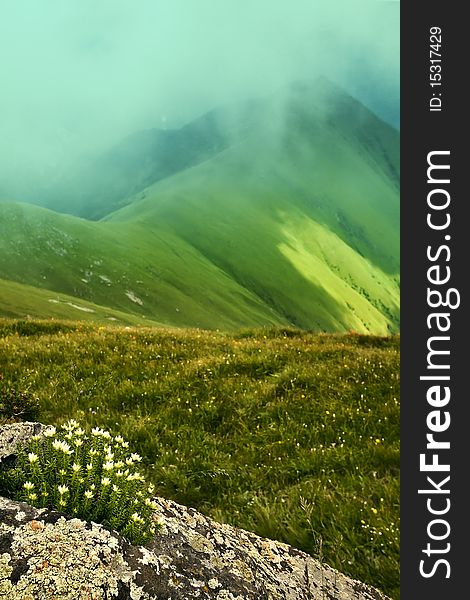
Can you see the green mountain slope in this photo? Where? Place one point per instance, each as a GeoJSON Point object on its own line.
{"type": "Point", "coordinates": [20, 300]}
{"type": "Point", "coordinates": [126, 267]}
{"type": "Point", "coordinates": [296, 221]}
{"type": "Point", "coordinates": [306, 217]}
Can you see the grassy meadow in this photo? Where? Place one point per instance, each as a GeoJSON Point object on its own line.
{"type": "Point", "coordinates": [289, 434]}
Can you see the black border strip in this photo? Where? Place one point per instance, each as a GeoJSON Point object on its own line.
{"type": "Point", "coordinates": [424, 131]}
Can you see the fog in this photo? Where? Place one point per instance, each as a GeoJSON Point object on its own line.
{"type": "Point", "coordinates": [77, 76]}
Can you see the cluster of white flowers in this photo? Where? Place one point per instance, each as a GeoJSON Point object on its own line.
{"type": "Point", "coordinates": [135, 477]}
{"type": "Point", "coordinates": [121, 441]}
{"type": "Point", "coordinates": [62, 446]}
{"type": "Point", "coordinates": [90, 476]}
{"type": "Point", "coordinates": [98, 432]}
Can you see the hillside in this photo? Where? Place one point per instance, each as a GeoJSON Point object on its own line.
{"type": "Point", "coordinates": [126, 267]}
{"type": "Point", "coordinates": [33, 302]}
{"type": "Point", "coordinates": [291, 216]}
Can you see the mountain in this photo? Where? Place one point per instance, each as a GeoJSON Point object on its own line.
{"type": "Point", "coordinates": [107, 183]}
{"type": "Point", "coordinates": [285, 211]}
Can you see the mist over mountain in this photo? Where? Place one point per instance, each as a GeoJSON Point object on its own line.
{"type": "Point", "coordinates": [143, 158]}
{"type": "Point", "coordinates": [80, 77]}
{"type": "Point", "coordinates": [283, 211]}
{"type": "Point", "coordinates": [110, 180]}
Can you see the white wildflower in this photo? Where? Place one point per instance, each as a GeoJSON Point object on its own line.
{"type": "Point", "coordinates": [137, 518]}
{"type": "Point", "coordinates": [28, 486]}
{"type": "Point", "coordinates": [61, 446]}
{"type": "Point", "coordinates": [32, 457]}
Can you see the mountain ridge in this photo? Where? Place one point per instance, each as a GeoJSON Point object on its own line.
{"type": "Point", "coordinates": [147, 156]}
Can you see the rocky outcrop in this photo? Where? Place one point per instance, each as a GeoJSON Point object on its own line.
{"type": "Point", "coordinates": [14, 434]}
{"type": "Point", "coordinates": [46, 554]}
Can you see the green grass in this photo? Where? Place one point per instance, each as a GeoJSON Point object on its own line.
{"type": "Point", "coordinates": [32, 302]}
{"type": "Point", "coordinates": [289, 434]}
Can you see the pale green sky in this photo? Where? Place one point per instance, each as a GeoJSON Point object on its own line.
{"type": "Point", "coordinates": [78, 75]}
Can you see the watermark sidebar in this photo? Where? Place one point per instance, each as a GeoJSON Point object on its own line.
{"type": "Point", "coordinates": [435, 259]}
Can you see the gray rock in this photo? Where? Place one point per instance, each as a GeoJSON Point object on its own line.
{"type": "Point", "coordinates": [17, 433]}
{"type": "Point", "coordinates": [46, 554]}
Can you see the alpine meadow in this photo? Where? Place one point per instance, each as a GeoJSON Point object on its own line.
{"type": "Point", "coordinates": [203, 255]}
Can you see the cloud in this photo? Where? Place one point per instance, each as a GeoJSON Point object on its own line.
{"type": "Point", "coordinates": [78, 76]}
